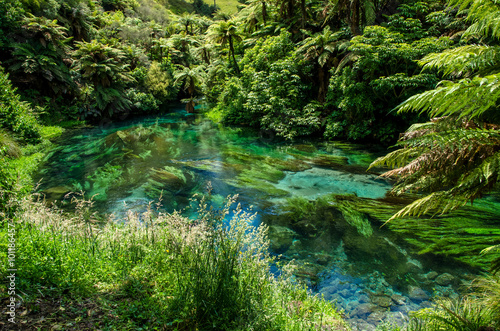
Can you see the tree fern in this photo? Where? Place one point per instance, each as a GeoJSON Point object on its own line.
{"type": "Point", "coordinates": [485, 15]}
{"type": "Point", "coordinates": [454, 158]}
{"type": "Point", "coordinates": [464, 61]}
{"type": "Point", "coordinates": [467, 98]}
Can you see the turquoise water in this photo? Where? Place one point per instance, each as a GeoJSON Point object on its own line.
{"type": "Point", "coordinates": [323, 209]}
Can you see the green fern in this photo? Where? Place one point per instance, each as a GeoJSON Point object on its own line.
{"type": "Point", "coordinates": [455, 157]}
{"type": "Point", "coordinates": [464, 61]}
{"type": "Point", "coordinates": [485, 15]}
{"type": "Point", "coordinates": [460, 315]}
{"type": "Point", "coordinates": [467, 98]}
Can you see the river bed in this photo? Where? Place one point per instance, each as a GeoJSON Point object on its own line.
{"type": "Point", "coordinates": [323, 208]}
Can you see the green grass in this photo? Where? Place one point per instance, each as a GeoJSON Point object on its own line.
{"type": "Point", "coordinates": [226, 6]}
{"type": "Point", "coordinates": [154, 271]}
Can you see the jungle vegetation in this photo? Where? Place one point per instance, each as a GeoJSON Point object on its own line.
{"type": "Point", "coordinates": [331, 69]}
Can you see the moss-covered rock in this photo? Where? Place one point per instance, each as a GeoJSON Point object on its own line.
{"type": "Point", "coordinates": [329, 161]}
{"type": "Point", "coordinates": [281, 238]}
{"type": "Point", "coordinates": [56, 193]}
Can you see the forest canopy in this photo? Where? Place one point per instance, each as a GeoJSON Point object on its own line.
{"type": "Point", "coordinates": [344, 68]}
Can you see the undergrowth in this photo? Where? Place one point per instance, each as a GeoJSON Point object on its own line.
{"type": "Point", "coordinates": [153, 271]}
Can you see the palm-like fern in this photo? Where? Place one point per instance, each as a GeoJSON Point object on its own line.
{"type": "Point", "coordinates": [35, 61]}
{"type": "Point", "coordinates": [48, 32]}
{"type": "Point", "coordinates": [325, 48]}
{"type": "Point", "coordinates": [223, 33]}
{"type": "Point", "coordinates": [454, 158]}
{"type": "Point", "coordinates": [105, 68]}
{"type": "Point", "coordinates": [190, 78]}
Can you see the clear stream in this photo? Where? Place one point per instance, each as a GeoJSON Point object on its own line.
{"type": "Point", "coordinates": [324, 210]}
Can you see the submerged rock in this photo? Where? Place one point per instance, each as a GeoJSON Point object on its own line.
{"type": "Point", "coordinates": [169, 182]}
{"type": "Point", "coordinates": [417, 294]}
{"type": "Point", "coordinates": [365, 309]}
{"type": "Point", "coordinates": [445, 279]}
{"type": "Point", "coordinates": [281, 238]}
{"type": "Point", "coordinates": [305, 228]}
{"type": "Point", "coordinates": [56, 193]}
{"type": "Point", "coordinates": [382, 300]}
{"type": "Point", "coordinates": [376, 317]}
{"type": "Point", "coordinates": [172, 179]}
{"type": "Point", "coordinates": [431, 275]}
{"type": "Point", "coordinates": [398, 299]}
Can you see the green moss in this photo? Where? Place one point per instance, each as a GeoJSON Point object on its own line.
{"type": "Point", "coordinates": [215, 166]}
{"type": "Point", "coordinates": [292, 165]}
{"type": "Point", "coordinates": [263, 171]}
{"type": "Point", "coordinates": [305, 148]}
{"type": "Point", "coordinates": [355, 218]}
{"type": "Point", "coordinates": [51, 132]}
{"type": "Point", "coordinates": [103, 178]}
{"type": "Point", "coordinates": [329, 161]}
{"type": "Point", "coordinates": [257, 184]}
{"type": "Point", "coordinates": [174, 171]}
{"type": "Point", "coordinates": [482, 231]}
{"type": "Point", "coordinates": [298, 208]}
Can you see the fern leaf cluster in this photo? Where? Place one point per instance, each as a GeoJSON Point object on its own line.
{"type": "Point", "coordinates": [464, 61]}
{"type": "Point", "coordinates": [455, 157]}
{"type": "Point", "coordinates": [467, 98]}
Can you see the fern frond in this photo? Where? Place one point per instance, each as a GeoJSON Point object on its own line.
{"type": "Point", "coordinates": [482, 177]}
{"type": "Point", "coordinates": [495, 248]}
{"type": "Point", "coordinates": [486, 17]}
{"type": "Point", "coordinates": [461, 138]}
{"type": "Point", "coordinates": [464, 61]}
{"type": "Point", "coordinates": [435, 203]}
{"type": "Point", "coordinates": [396, 158]}
{"type": "Point", "coordinates": [465, 98]}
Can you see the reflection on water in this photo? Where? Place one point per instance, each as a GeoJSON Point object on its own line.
{"type": "Point", "coordinates": [324, 210]}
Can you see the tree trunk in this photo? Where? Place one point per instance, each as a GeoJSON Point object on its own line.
{"type": "Point", "coordinates": [354, 23]}
{"type": "Point", "coordinates": [190, 106]}
{"type": "Point", "coordinates": [231, 51]}
{"type": "Point", "coordinates": [290, 9]}
{"type": "Point", "coordinates": [304, 13]}
{"type": "Point", "coordinates": [264, 12]}
{"type": "Point", "coordinates": [322, 87]}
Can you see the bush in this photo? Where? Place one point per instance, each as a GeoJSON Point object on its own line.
{"type": "Point", "coordinates": [15, 115]}
{"type": "Point", "coordinates": [270, 93]}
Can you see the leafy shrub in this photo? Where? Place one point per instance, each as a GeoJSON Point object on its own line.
{"type": "Point", "coordinates": [159, 81]}
{"type": "Point", "coordinates": [16, 115]}
{"type": "Point", "coordinates": [270, 93]}
{"type": "Point", "coordinates": [383, 74]}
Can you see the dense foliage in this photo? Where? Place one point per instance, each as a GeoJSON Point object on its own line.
{"type": "Point", "coordinates": [455, 157]}
{"type": "Point", "coordinates": [328, 68]}
{"type": "Point", "coordinates": [320, 68]}
{"type": "Point", "coordinates": [456, 154]}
